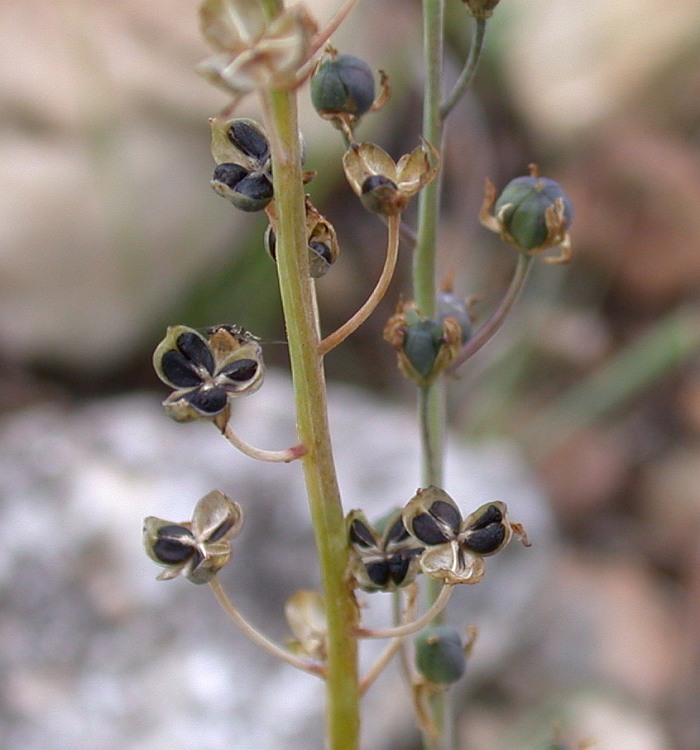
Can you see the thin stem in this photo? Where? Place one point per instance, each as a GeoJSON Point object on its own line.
{"type": "Point", "coordinates": [467, 75]}
{"type": "Point", "coordinates": [489, 329]}
{"type": "Point", "coordinates": [424, 271]}
{"type": "Point", "coordinates": [298, 304]}
{"type": "Point", "coordinates": [397, 644]}
{"type": "Point", "coordinates": [306, 665]}
{"type": "Point", "coordinates": [350, 326]}
{"type": "Point", "coordinates": [432, 398]}
{"type": "Point", "coordinates": [378, 667]}
{"type": "Point", "coordinates": [411, 627]}
{"type": "Point", "coordinates": [282, 456]}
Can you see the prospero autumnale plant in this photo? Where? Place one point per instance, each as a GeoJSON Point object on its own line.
{"type": "Point", "coordinates": [425, 543]}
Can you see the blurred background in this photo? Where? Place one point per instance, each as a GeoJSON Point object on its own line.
{"type": "Point", "coordinates": [583, 414]}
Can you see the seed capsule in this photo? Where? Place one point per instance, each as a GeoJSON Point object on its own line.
{"type": "Point", "coordinates": [524, 206]}
{"type": "Point", "coordinates": [440, 655]}
{"type": "Point", "coordinates": [343, 85]}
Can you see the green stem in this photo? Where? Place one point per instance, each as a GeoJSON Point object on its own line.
{"type": "Point", "coordinates": [469, 70]}
{"type": "Point", "coordinates": [298, 304]}
{"type": "Point", "coordinates": [491, 326]}
{"type": "Point", "coordinates": [424, 270]}
{"type": "Point", "coordinates": [431, 398]}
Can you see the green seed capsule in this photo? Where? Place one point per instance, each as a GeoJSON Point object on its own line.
{"type": "Point", "coordinates": [522, 209]}
{"type": "Point", "coordinates": [440, 655]}
{"type": "Point", "coordinates": [343, 85]}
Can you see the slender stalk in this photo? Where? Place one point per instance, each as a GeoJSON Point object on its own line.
{"type": "Point", "coordinates": [350, 326]}
{"type": "Point", "coordinates": [283, 456]}
{"type": "Point", "coordinates": [378, 667]}
{"type": "Point", "coordinates": [306, 665]}
{"type": "Point", "coordinates": [424, 271]}
{"type": "Point", "coordinates": [408, 628]}
{"type": "Point", "coordinates": [431, 398]}
{"type": "Point", "coordinates": [489, 329]}
{"type": "Point", "coordinates": [343, 696]}
{"type": "Point", "coordinates": [468, 71]}
{"type": "Point", "coordinates": [397, 644]}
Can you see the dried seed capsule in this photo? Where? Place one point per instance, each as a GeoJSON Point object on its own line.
{"type": "Point", "coordinates": [528, 207]}
{"type": "Point", "coordinates": [343, 85]}
{"type": "Point", "coordinates": [440, 655]}
{"type": "Point", "coordinates": [321, 256]}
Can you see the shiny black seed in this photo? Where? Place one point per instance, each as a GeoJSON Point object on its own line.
{"type": "Point", "coordinates": [486, 541]}
{"type": "Point", "coordinates": [397, 532]}
{"type": "Point", "coordinates": [492, 514]}
{"type": "Point", "coordinates": [360, 534]}
{"type": "Point", "coordinates": [196, 350]}
{"type": "Point", "coordinates": [208, 401]}
{"type": "Point", "coordinates": [378, 573]}
{"type": "Point", "coordinates": [320, 248]}
{"type": "Point", "coordinates": [398, 568]}
{"type": "Point", "coordinates": [229, 174]}
{"type": "Point", "coordinates": [256, 189]}
{"type": "Point", "coordinates": [174, 544]}
{"type": "Point", "coordinates": [428, 530]}
{"type": "Point", "coordinates": [377, 181]}
{"type": "Point", "coordinates": [222, 529]}
{"type": "Point", "coordinates": [179, 370]}
{"type": "Point", "coordinates": [249, 140]}
{"type": "Point", "coordinates": [240, 370]}
{"type": "Point", "coordinates": [447, 513]}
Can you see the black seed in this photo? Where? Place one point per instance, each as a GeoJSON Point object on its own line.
{"type": "Point", "coordinates": [172, 545]}
{"type": "Point", "coordinates": [491, 514]}
{"type": "Point", "coordinates": [398, 568]}
{"type": "Point", "coordinates": [255, 185]}
{"type": "Point", "coordinates": [428, 530]}
{"type": "Point", "coordinates": [360, 534]}
{"type": "Point", "coordinates": [195, 349]}
{"type": "Point", "coordinates": [486, 541]}
{"type": "Point", "coordinates": [378, 573]}
{"type": "Point", "coordinates": [397, 532]}
{"type": "Point", "coordinates": [377, 181]}
{"type": "Point", "coordinates": [447, 513]}
{"type": "Point", "coordinates": [179, 370]}
{"type": "Point", "coordinates": [229, 174]}
{"type": "Point", "coordinates": [222, 529]}
{"type": "Point", "coordinates": [209, 401]}
{"type": "Point", "coordinates": [320, 248]}
{"type": "Point", "coordinates": [240, 370]}
{"type": "Point", "coordinates": [249, 140]}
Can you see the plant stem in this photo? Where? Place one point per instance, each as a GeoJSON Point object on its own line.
{"type": "Point", "coordinates": [315, 668]}
{"type": "Point", "coordinates": [431, 398]}
{"type": "Point", "coordinates": [350, 326]}
{"type": "Point", "coordinates": [399, 631]}
{"type": "Point", "coordinates": [282, 456]}
{"type": "Point", "coordinates": [342, 685]}
{"type": "Point", "coordinates": [489, 329]}
{"type": "Point", "coordinates": [424, 271]}
{"type": "Point", "coordinates": [467, 74]}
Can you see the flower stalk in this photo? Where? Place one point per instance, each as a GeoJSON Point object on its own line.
{"type": "Point", "coordinates": [343, 694]}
